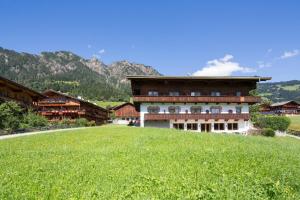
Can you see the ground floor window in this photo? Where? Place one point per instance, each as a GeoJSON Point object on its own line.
{"type": "Point", "coordinates": [206, 127]}
{"type": "Point", "coordinates": [232, 126]}
{"type": "Point", "coordinates": [219, 126]}
{"type": "Point", "coordinates": [178, 125]}
{"type": "Point", "coordinates": [192, 126]}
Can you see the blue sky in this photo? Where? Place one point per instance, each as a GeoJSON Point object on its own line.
{"type": "Point", "coordinates": [176, 37]}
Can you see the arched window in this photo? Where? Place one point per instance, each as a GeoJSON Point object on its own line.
{"type": "Point", "coordinates": [153, 109]}
{"type": "Point", "coordinates": [196, 109]}
{"type": "Point", "coordinates": [215, 109]}
{"type": "Point", "coordinates": [174, 109]}
{"type": "Point", "coordinates": [230, 111]}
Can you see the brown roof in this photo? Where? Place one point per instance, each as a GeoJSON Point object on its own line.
{"type": "Point", "coordinates": [283, 103]}
{"type": "Point", "coordinates": [257, 78]}
{"type": "Point", "coordinates": [120, 106]}
{"type": "Point", "coordinates": [15, 84]}
{"type": "Point", "coordinates": [80, 100]}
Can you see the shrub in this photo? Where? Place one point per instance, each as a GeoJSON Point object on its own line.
{"type": "Point", "coordinates": [81, 122]}
{"type": "Point", "coordinates": [268, 132]}
{"type": "Point", "coordinates": [280, 123]}
{"type": "Point", "coordinates": [33, 120]}
{"type": "Point", "coordinates": [10, 116]}
{"type": "Point", "coordinates": [92, 123]}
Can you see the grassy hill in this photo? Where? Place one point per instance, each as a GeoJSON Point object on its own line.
{"type": "Point", "coordinates": [114, 162]}
{"type": "Point", "coordinates": [280, 91]}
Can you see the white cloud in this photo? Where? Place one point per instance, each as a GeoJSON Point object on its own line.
{"type": "Point", "coordinates": [102, 51]}
{"type": "Point", "coordinates": [222, 67]}
{"type": "Point", "coordinates": [89, 46]}
{"type": "Point", "coordinates": [289, 54]}
{"type": "Point", "coordinates": [269, 50]}
{"type": "Point", "coordinates": [262, 64]}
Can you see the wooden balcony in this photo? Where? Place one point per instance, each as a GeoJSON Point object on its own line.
{"type": "Point", "coordinates": [197, 116]}
{"type": "Point", "coordinates": [62, 112]}
{"type": "Point", "coordinates": [196, 99]}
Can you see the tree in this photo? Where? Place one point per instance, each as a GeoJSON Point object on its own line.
{"type": "Point", "coordinates": [10, 116]}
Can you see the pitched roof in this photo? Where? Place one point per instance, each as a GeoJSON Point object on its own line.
{"type": "Point", "coordinates": [80, 100]}
{"type": "Point", "coordinates": [15, 84]}
{"type": "Point", "coordinates": [257, 78]}
{"type": "Point", "coordinates": [283, 103]}
{"type": "Point", "coordinates": [121, 105]}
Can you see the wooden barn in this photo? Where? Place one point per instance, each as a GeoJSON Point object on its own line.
{"type": "Point", "coordinates": [124, 113]}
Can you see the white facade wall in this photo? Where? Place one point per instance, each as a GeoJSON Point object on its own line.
{"type": "Point", "coordinates": [243, 126]}
{"type": "Point", "coordinates": [123, 121]}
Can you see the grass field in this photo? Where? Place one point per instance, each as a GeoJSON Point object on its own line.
{"type": "Point", "coordinates": [295, 123]}
{"type": "Point", "coordinates": [115, 162]}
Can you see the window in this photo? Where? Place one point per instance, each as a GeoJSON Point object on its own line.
{"type": "Point", "coordinates": [215, 109]}
{"type": "Point", "coordinates": [192, 126]}
{"type": "Point", "coordinates": [152, 93]}
{"type": "Point", "coordinates": [207, 111]}
{"type": "Point", "coordinates": [230, 111]}
{"type": "Point", "coordinates": [153, 109]}
{"type": "Point", "coordinates": [232, 126]}
{"type": "Point", "coordinates": [238, 93]}
{"type": "Point", "coordinates": [238, 109]}
{"type": "Point", "coordinates": [215, 94]}
{"type": "Point", "coordinates": [195, 94]}
{"type": "Point", "coordinates": [174, 93]}
{"type": "Point", "coordinates": [174, 109]}
{"type": "Point", "coordinates": [178, 126]}
{"type": "Point", "coordinates": [196, 109]}
{"type": "Point", "coordinates": [219, 126]}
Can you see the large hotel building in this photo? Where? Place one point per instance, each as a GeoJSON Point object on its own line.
{"type": "Point", "coordinates": [204, 104]}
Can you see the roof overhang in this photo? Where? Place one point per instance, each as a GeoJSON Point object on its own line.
{"type": "Point", "coordinates": [253, 78]}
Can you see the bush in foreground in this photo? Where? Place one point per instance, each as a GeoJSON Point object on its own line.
{"type": "Point", "coordinates": [33, 120]}
{"type": "Point", "coordinates": [268, 132]}
{"type": "Point", "coordinates": [278, 123]}
{"type": "Point", "coordinates": [10, 116]}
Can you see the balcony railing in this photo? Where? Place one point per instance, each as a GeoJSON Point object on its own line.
{"type": "Point", "coordinates": [197, 99]}
{"type": "Point", "coordinates": [61, 112]}
{"type": "Point", "coordinates": [197, 116]}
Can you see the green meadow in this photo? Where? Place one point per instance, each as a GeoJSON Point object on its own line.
{"type": "Point", "coordinates": [115, 162]}
{"type": "Point", "coordinates": [295, 123]}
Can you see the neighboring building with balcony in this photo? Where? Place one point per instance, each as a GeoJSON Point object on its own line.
{"type": "Point", "coordinates": [12, 91]}
{"type": "Point", "coordinates": [218, 104]}
{"type": "Point", "coordinates": [58, 106]}
{"type": "Point", "coordinates": [281, 108]}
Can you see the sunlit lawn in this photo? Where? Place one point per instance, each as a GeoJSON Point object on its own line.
{"type": "Point", "coordinates": [295, 122]}
{"type": "Point", "coordinates": [114, 162]}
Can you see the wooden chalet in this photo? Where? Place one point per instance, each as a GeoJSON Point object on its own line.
{"type": "Point", "coordinates": [125, 113]}
{"type": "Point", "coordinates": [197, 103]}
{"type": "Point", "coordinates": [282, 108]}
{"type": "Point", "coordinates": [57, 106]}
{"type": "Point", "coordinates": [12, 91]}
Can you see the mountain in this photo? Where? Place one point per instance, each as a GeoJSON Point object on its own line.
{"type": "Point", "coordinates": [67, 72]}
{"type": "Point", "coordinates": [280, 91]}
{"type": "Point", "coordinates": [92, 79]}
